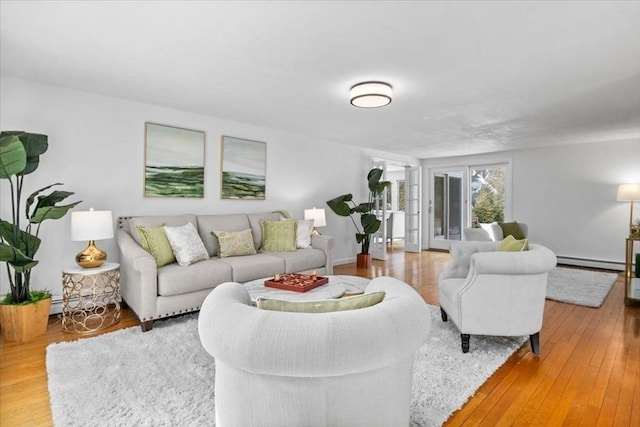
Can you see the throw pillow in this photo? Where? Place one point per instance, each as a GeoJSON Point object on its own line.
{"type": "Point", "coordinates": [154, 240]}
{"type": "Point", "coordinates": [279, 235]}
{"type": "Point", "coordinates": [186, 244]}
{"type": "Point", "coordinates": [235, 243]}
{"type": "Point", "coordinates": [303, 233]}
{"type": "Point", "coordinates": [324, 306]}
{"type": "Point", "coordinates": [511, 244]}
{"type": "Point", "coordinates": [513, 229]}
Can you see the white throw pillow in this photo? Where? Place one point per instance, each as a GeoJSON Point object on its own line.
{"type": "Point", "coordinates": [186, 244]}
{"type": "Point", "coordinates": [303, 233]}
{"type": "Point", "coordinates": [494, 230]}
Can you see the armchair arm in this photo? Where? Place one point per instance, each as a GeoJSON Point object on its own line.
{"type": "Point", "coordinates": [326, 245]}
{"type": "Point", "coordinates": [138, 277]}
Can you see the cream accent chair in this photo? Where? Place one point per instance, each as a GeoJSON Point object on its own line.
{"type": "Point", "coordinates": [345, 368]}
{"type": "Point", "coordinates": [487, 292]}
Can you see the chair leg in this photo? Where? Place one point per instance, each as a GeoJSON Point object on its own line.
{"type": "Point", "coordinates": [535, 342]}
{"type": "Point", "coordinates": [465, 342]}
{"type": "Point", "coordinates": [443, 314]}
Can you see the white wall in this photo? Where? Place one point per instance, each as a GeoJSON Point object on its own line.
{"type": "Point", "coordinates": [567, 195]}
{"type": "Point", "coordinates": [96, 148]}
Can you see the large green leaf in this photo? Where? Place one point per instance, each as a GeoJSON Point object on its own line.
{"type": "Point", "coordinates": [13, 157]}
{"type": "Point", "coordinates": [51, 212]}
{"type": "Point", "coordinates": [340, 206]}
{"type": "Point", "coordinates": [26, 243]}
{"type": "Point", "coordinates": [33, 196]}
{"type": "Point", "coordinates": [370, 224]}
{"type": "Point", "coordinates": [35, 144]}
{"type": "Point", "coordinates": [16, 258]}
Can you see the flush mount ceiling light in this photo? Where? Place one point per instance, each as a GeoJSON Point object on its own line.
{"type": "Point", "coordinates": [371, 94]}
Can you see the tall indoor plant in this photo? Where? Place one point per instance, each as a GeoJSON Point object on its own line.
{"type": "Point", "coordinates": [20, 156]}
{"type": "Point", "coordinates": [345, 206]}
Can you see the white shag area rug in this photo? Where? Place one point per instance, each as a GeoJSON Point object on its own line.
{"type": "Point", "coordinates": [165, 378]}
{"type": "Point", "coordinates": [581, 287]}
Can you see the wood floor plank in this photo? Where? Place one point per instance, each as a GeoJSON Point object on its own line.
{"type": "Point", "coordinates": [587, 375]}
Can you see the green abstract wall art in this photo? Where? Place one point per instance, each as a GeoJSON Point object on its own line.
{"type": "Point", "coordinates": [243, 169]}
{"type": "Point", "coordinates": [174, 162]}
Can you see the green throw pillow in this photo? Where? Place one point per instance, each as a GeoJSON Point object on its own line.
{"type": "Point", "coordinates": [279, 235]}
{"type": "Point", "coordinates": [324, 306]}
{"type": "Point", "coordinates": [235, 243]}
{"type": "Point", "coordinates": [510, 244]}
{"type": "Point", "coordinates": [512, 229]}
{"type": "Point", "coordinates": [154, 240]}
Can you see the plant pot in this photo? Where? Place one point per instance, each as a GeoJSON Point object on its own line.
{"type": "Point", "coordinates": [363, 260]}
{"type": "Point", "coordinates": [24, 322]}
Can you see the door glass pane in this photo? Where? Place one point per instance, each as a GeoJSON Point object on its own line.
{"type": "Point", "coordinates": [454, 223]}
{"type": "Point", "coordinates": [487, 194]}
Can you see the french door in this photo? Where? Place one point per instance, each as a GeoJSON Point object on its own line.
{"type": "Point", "coordinates": [465, 194]}
{"type": "Point", "coordinates": [446, 206]}
{"type": "Point", "coordinates": [412, 218]}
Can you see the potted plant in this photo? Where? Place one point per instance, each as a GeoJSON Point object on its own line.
{"type": "Point", "coordinates": [345, 206]}
{"type": "Point", "coordinates": [24, 313]}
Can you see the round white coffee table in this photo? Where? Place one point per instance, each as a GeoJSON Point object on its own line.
{"type": "Point", "coordinates": [337, 287]}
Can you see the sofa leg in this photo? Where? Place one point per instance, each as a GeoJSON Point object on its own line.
{"type": "Point", "coordinates": [146, 326]}
{"type": "Point", "coordinates": [535, 342]}
{"type": "Point", "coordinates": [465, 342]}
{"type": "Point", "coordinates": [443, 314]}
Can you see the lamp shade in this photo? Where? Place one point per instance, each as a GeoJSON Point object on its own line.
{"type": "Point", "coordinates": [317, 215]}
{"type": "Point", "coordinates": [628, 192]}
{"type": "Point", "coordinates": [91, 225]}
{"type": "Point", "coordinates": [370, 94]}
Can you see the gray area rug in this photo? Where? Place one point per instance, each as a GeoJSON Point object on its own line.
{"type": "Point", "coordinates": [165, 378]}
{"type": "Point", "coordinates": [581, 287]}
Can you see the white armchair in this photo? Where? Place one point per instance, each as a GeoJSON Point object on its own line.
{"type": "Point", "coordinates": [487, 292]}
{"type": "Point", "coordinates": [343, 368]}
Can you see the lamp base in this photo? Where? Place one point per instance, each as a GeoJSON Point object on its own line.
{"type": "Point", "coordinates": [91, 256]}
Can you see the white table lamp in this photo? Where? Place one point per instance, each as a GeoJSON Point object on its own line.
{"type": "Point", "coordinates": [629, 193]}
{"type": "Point", "coordinates": [318, 217]}
{"type": "Point", "coordinates": [91, 225]}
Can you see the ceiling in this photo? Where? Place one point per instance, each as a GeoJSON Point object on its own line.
{"type": "Point", "coordinates": [468, 77]}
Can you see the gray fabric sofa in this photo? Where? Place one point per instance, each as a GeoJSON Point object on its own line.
{"type": "Point", "coordinates": [156, 292]}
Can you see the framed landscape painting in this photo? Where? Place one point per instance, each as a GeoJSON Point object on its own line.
{"type": "Point", "coordinates": [244, 164]}
{"type": "Point", "coordinates": [174, 162]}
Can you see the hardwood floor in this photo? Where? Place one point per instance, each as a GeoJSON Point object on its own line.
{"type": "Point", "coordinates": [587, 375]}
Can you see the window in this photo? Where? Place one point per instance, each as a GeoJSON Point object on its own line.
{"type": "Point", "coordinates": [401, 196]}
{"type": "Point", "coordinates": [487, 194]}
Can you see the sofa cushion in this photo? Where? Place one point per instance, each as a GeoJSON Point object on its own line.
{"type": "Point", "coordinates": [154, 240]}
{"type": "Point", "coordinates": [154, 221]}
{"type": "Point", "coordinates": [303, 233]}
{"type": "Point", "coordinates": [251, 267]}
{"type": "Point", "coordinates": [512, 229]}
{"type": "Point", "coordinates": [323, 306]}
{"type": "Point", "coordinates": [511, 244]}
{"type": "Point", "coordinates": [494, 230]}
{"type": "Point", "coordinates": [186, 244]}
{"type": "Point", "coordinates": [174, 279]}
{"type": "Point", "coordinates": [301, 260]}
{"type": "Point", "coordinates": [256, 227]}
{"type": "Point", "coordinates": [209, 223]}
{"type": "Point", "coordinates": [235, 243]}
{"type": "Point", "coordinates": [279, 235]}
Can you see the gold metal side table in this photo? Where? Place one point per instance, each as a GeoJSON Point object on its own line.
{"type": "Point", "coordinates": [90, 298]}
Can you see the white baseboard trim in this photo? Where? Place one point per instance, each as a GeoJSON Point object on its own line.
{"type": "Point", "coordinates": [592, 263]}
{"type": "Point", "coordinates": [565, 260]}
{"type": "Point", "coordinates": [56, 304]}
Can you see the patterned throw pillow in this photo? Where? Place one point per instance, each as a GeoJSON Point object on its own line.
{"type": "Point", "coordinates": [186, 244]}
{"type": "Point", "coordinates": [510, 244]}
{"type": "Point", "coordinates": [154, 240]}
{"type": "Point", "coordinates": [324, 306]}
{"type": "Point", "coordinates": [279, 235]}
{"type": "Point", "coordinates": [235, 243]}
